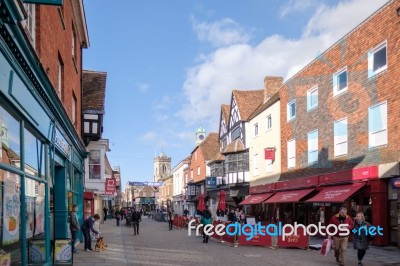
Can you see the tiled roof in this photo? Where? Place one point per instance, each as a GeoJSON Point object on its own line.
{"type": "Point", "coordinates": [235, 146]}
{"type": "Point", "coordinates": [209, 146]}
{"type": "Point", "coordinates": [225, 112]}
{"type": "Point", "coordinates": [274, 98]}
{"type": "Point", "coordinates": [94, 90]}
{"type": "Point", "coordinates": [219, 157]}
{"type": "Point", "coordinates": [248, 102]}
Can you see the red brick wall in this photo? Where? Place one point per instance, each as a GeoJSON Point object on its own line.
{"type": "Point", "coordinates": [362, 93]}
{"type": "Point", "coordinates": [54, 38]}
{"type": "Point", "coordinates": [198, 162]}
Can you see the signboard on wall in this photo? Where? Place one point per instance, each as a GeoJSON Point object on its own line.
{"type": "Point", "coordinates": [110, 186]}
{"type": "Point", "coordinates": [211, 182]}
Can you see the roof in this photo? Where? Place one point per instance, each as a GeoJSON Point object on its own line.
{"type": "Point", "coordinates": [274, 98]}
{"type": "Point", "coordinates": [248, 102]}
{"type": "Point", "coordinates": [94, 90]}
{"type": "Point", "coordinates": [235, 146]}
{"type": "Point", "coordinates": [219, 157]}
{"type": "Point", "coordinates": [225, 112]}
{"type": "Point", "coordinates": [209, 146]}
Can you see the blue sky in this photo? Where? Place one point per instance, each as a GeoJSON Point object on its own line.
{"type": "Point", "coordinates": [171, 64]}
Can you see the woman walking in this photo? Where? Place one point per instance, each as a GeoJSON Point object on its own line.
{"type": "Point", "coordinates": [361, 238]}
{"type": "Point", "coordinates": [206, 218]}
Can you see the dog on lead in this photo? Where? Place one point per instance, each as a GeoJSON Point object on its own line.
{"type": "Point", "coordinates": [100, 244]}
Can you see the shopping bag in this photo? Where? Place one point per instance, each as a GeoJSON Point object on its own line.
{"type": "Point", "coordinates": [326, 246]}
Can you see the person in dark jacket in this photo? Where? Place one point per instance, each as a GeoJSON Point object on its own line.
{"type": "Point", "coordinates": [118, 215]}
{"type": "Point", "coordinates": [105, 211]}
{"type": "Point", "coordinates": [74, 226]}
{"type": "Point", "coordinates": [232, 216]}
{"type": "Point", "coordinates": [170, 218]}
{"type": "Point", "coordinates": [340, 242]}
{"type": "Point", "coordinates": [361, 240]}
{"type": "Point", "coordinates": [86, 227]}
{"type": "Point", "coordinates": [136, 218]}
{"type": "Point", "coordinates": [206, 218]}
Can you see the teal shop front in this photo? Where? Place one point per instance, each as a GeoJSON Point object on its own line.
{"type": "Point", "coordinates": [41, 155]}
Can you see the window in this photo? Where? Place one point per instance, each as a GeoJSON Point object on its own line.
{"type": "Point", "coordinates": [312, 98]}
{"type": "Point", "coordinates": [377, 60]}
{"type": "Point", "coordinates": [269, 122]}
{"type": "Point", "coordinates": [291, 110]}
{"type": "Point", "coordinates": [94, 165]}
{"type": "Point", "coordinates": [198, 170]}
{"type": "Point", "coordinates": [60, 81]}
{"type": "Point", "coordinates": [377, 125]}
{"type": "Point", "coordinates": [74, 105]}
{"type": "Point", "coordinates": [235, 133]}
{"type": "Point", "coordinates": [255, 164]}
{"type": "Point", "coordinates": [237, 162]}
{"type": "Point", "coordinates": [255, 129]}
{"type": "Point", "coordinates": [30, 22]}
{"type": "Point", "coordinates": [340, 82]}
{"type": "Point", "coordinates": [269, 166]}
{"type": "Point", "coordinates": [291, 153]}
{"type": "Point", "coordinates": [340, 137]}
{"type": "Point", "coordinates": [73, 52]}
{"type": "Point", "coordinates": [313, 147]}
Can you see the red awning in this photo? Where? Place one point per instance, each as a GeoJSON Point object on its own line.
{"type": "Point", "coordinates": [336, 193]}
{"type": "Point", "coordinates": [289, 196]}
{"type": "Point", "coordinates": [256, 198]}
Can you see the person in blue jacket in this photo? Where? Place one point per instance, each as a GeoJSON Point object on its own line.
{"type": "Point", "coordinates": [86, 227]}
{"type": "Point", "coordinates": [206, 218]}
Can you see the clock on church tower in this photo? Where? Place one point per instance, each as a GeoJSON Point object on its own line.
{"type": "Point", "coordinates": [200, 135]}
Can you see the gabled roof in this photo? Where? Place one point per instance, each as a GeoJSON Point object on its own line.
{"type": "Point", "coordinates": [225, 112]}
{"type": "Point", "coordinates": [274, 98]}
{"type": "Point", "coordinates": [219, 157]}
{"type": "Point", "coordinates": [248, 102]}
{"type": "Point", "coordinates": [235, 146]}
{"type": "Point", "coordinates": [94, 90]}
{"type": "Point", "coordinates": [209, 146]}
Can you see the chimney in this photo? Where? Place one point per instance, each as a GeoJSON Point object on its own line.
{"type": "Point", "coordinates": [271, 86]}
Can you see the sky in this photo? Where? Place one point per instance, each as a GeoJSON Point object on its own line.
{"type": "Point", "coordinates": [172, 64]}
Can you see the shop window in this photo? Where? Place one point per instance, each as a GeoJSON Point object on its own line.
{"type": "Point", "coordinates": [10, 216]}
{"type": "Point", "coordinates": [34, 155]}
{"type": "Point", "coordinates": [10, 148]}
{"type": "Point", "coordinates": [94, 165]}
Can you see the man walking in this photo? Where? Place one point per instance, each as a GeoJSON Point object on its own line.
{"type": "Point", "coordinates": [136, 218]}
{"type": "Point", "coordinates": [340, 242]}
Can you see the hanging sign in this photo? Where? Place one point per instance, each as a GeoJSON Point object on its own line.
{"type": "Point", "coordinates": [110, 186]}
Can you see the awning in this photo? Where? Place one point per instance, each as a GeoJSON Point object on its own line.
{"type": "Point", "coordinates": [336, 193]}
{"type": "Point", "coordinates": [256, 199]}
{"type": "Point", "coordinates": [289, 196]}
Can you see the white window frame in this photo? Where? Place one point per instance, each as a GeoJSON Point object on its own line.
{"type": "Point", "coordinates": [255, 129]}
{"type": "Point", "coordinates": [60, 78]}
{"type": "Point", "coordinates": [269, 167]}
{"type": "Point", "coordinates": [291, 154]}
{"type": "Point", "coordinates": [380, 133]}
{"type": "Point", "coordinates": [336, 90]}
{"type": "Point", "coordinates": [371, 60]}
{"type": "Point", "coordinates": [312, 147]}
{"type": "Point", "coordinates": [74, 105]}
{"type": "Point", "coordinates": [198, 170]}
{"type": "Point", "coordinates": [30, 24]}
{"type": "Point", "coordinates": [268, 123]}
{"type": "Point", "coordinates": [289, 117]}
{"type": "Point", "coordinates": [309, 98]}
{"type": "Point", "coordinates": [340, 142]}
{"type": "Point", "coordinates": [255, 165]}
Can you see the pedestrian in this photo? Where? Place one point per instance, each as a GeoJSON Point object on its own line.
{"type": "Point", "coordinates": [105, 210]}
{"type": "Point", "coordinates": [232, 217]}
{"type": "Point", "coordinates": [136, 219]}
{"type": "Point", "coordinates": [112, 212]}
{"type": "Point", "coordinates": [206, 218]}
{"type": "Point", "coordinates": [185, 212]}
{"type": "Point", "coordinates": [242, 217]}
{"type": "Point", "coordinates": [340, 242]}
{"type": "Point", "coordinates": [86, 227]}
{"type": "Point", "coordinates": [361, 238]}
{"type": "Point", "coordinates": [170, 217]}
{"type": "Point", "coordinates": [74, 226]}
{"type": "Point", "coordinates": [118, 215]}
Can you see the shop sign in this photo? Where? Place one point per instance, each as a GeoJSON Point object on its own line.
{"type": "Point", "coordinates": [269, 154]}
{"type": "Point", "coordinates": [211, 182]}
{"type": "Point", "coordinates": [44, 2]}
{"type": "Point", "coordinates": [110, 186]}
{"type": "Point", "coordinates": [61, 143]}
{"type": "Point", "coordinates": [396, 183]}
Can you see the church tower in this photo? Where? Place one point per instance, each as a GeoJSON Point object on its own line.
{"type": "Point", "coordinates": [200, 135]}
{"type": "Point", "coordinates": [161, 167]}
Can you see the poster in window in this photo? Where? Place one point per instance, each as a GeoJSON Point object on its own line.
{"type": "Point", "coordinates": [30, 216]}
{"type": "Point", "coordinates": [39, 209]}
{"type": "Point", "coordinates": [63, 251]}
{"type": "Point", "coordinates": [37, 251]}
{"type": "Point", "coordinates": [11, 208]}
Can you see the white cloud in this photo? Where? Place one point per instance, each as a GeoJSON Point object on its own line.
{"type": "Point", "coordinates": [163, 104]}
{"type": "Point", "coordinates": [148, 136]}
{"type": "Point", "coordinates": [242, 66]}
{"type": "Point", "coordinates": [295, 6]}
{"type": "Point", "coordinates": [161, 117]}
{"type": "Point", "coordinates": [220, 33]}
{"type": "Point", "coordinates": [143, 87]}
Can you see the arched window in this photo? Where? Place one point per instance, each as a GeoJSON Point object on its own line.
{"type": "Point", "coordinates": [164, 169]}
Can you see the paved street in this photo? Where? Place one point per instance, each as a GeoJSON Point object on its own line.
{"type": "Point", "coordinates": [156, 245]}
